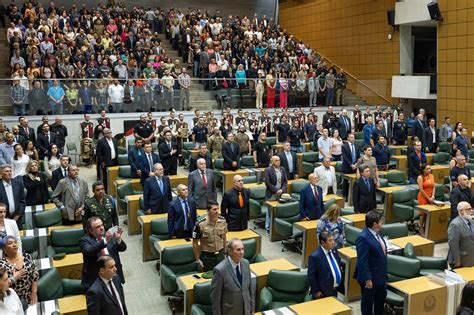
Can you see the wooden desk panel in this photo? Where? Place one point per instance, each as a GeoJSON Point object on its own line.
{"type": "Point", "coordinates": [228, 178]}
{"type": "Point", "coordinates": [70, 267]}
{"type": "Point", "coordinates": [351, 286]}
{"type": "Point", "coordinates": [388, 202]}
{"type": "Point", "coordinates": [397, 148]}
{"type": "Point", "coordinates": [437, 221]}
{"type": "Point", "coordinates": [310, 242]}
{"type": "Point", "coordinates": [421, 245]}
{"type": "Point", "coordinates": [402, 161]}
{"type": "Point", "coordinates": [112, 174]}
{"type": "Point", "coordinates": [357, 220]}
{"type": "Point", "coordinates": [133, 205]}
{"type": "Point", "coordinates": [440, 172]}
{"type": "Point", "coordinates": [299, 157]}
{"type": "Point", "coordinates": [339, 200]}
{"type": "Point", "coordinates": [178, 179]}
{"type": "Point", "coordinates": [329, 305]}
{"type": "Point", "coordinates": [351, 178]}
{"type": "Point", "coordinates": [73, 305]}
{"type": "Point", "coordinates": [467, 273]}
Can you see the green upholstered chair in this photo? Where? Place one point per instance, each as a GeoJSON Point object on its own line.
{"type": "Point", "coordinates": [218, 166]}
{"type": "Point", "coordinates": [47, 218]}
{"type": "Point", "coordinates": [379, 196]}
{"type": "Point", "coordinates": [329, 203]}
{"type": "Point", "coordinates": [394, 302]}
{"type": "Point", "coordinates": [122, 159]}
{"type": "Point", "coordinates": [347, 211]}
{"type": "Point", "coordinates": [257, 209]}
{"type": "Point", "coordinates": [394, 230]}
{"type": "Point", "coordinates": [258, 194]}
{"type": "Point", "coordinates": [187, 146]}
{"type": "Point", "coordinates": [351, 233]}
{"type": "Point", "coordinates": [359, 143]}
{"type": "Point", "coordinates": [297, 187]}
{"type": "Point", "coordinates": [471, 154]}
{"type": "Point", "coordinates": [131, 143]}
{"type": "Point", "coordinates": [359, 135]}
{"type": "Point", "coordinates": [445, 147]}
{"type": "Point", "coordinates": [402, 268]}
{"type": "Point", "coordinates": [202, 299]}
{"type": "Point", "coordinates": [121, 150]}
{"type": "Point", "coordinates": [124, 172]}
{"type": "Point", "coordinates": [284, 288]}
{"type": "Point", "coordinates": [159, 232]}
{"type": "Point", "coordinates": [441, 158]}
{"type": "Point", "coordinates": [285, 215]}
{"type": "Point", "coordinates": [176, 261]}
{"type": "Point", "coordinates": [65, 241]}
{"type": "Point", "coordinates": [339, 173]}
{"type": "Point", "coordinates": [122, 192]}
{"type": "Point", "coordinates": [247, 162]}
{"type": "Point", "coordinates": [250, 251]}
{"type": "Point", "coordinates": [429, 265]}
{"type": "Point", "coordinates": [29, 244]}
{"type": "Point", "coordinates": [141, 204]}
{"type": "Point", "coordinates": [396, 178]}
{"type": "Point", "coordinates": [440, 193]}
{"type": "Point", "coordinates": [249, 179]}
{"type": "Point", "coordinates": [52, 287]}
{"type": "Point", "coordinates": [309, 160]}
{"type": "Point", "coordinates": [271, 141]}
{"type": "Point", "coordinates": [404, 207]}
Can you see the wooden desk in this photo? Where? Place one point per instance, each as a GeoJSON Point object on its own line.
{"type": "Point", "coordinates": [388, 202]}
{"type": "Point", "coordinates": [112, 174]}
{"type": "Point", "coordinates": [339, 200]}
{"type": "Point", "coordinates": [70, 267]}
{"type": "Point", "coordinates": [467, 273]}
{"type": "Point", "coordinates": [133, 205]}
{"type": "Point", "coordinates": [310, 242]}
{"type": "Point", "coordinates": [422, 295]}
{"type": "Point", "coordinates": [351, 286]}
{"type": "Point", "coordinates": [439, 172]}
{"type": "Point", "coordinates": [351, 178]}
{"type": "Point", "coordinates": [228, 178]}
{"type": "Point", "coordinates": [277, 148]}
{"type": "Point", "coordinates": [73, 305]}
{"type": "Point", "coordinates": [437, 221]}
{"type": "Point", "coordinates": [401, 162]}
{"type": "Point", "coordinates": [307, 146]}
{"type": "Point", "coordinates": [397, 149]}
{"type": "Point", "coordinates": [175, 180]}
{"type": "Point", "coordinates": [299, 157]}
{"type": "Point", "coordinates": [357, 220]}
{"type": "Point", "coordinates": [421, 245]}
{"type": "Point", "coordinates": [429, 158]}
{"type": "Point", "coordinates": [329, 305]}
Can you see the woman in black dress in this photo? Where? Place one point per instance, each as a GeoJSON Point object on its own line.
{"type": "Point", "coordinates": [36, 184]}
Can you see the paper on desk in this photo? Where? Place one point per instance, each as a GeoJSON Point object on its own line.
{"type": "Point", "coordinates": [390, 246]}
{"type": "Point", "coordinates": [280, 311]}
{"type": "Point", "coordinates": [447, 277]}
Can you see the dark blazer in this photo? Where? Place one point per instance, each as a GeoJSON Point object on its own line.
{"type": "Point", "coordinates": [347, 158]}
{"type": "Point", "coordinates": [193, 162]}
{"type": "Point", "coordinates": [152, 196]}
{"type": "Point", "coordinates": [371, 260]}
{"type": "Point", "coordinates": [144, 166]}
{"type": "Point", "coordinates": [363, 199]}
{"type": "Point", "coordinates": [104, 154]}
{"type": "Point", "coordinates": [42, 143]}
{"type": "Point", "coordinates": [319, 273]}
{"type": "Point", "coordinates": [134, 157]}
{"type": "Point", "coordinates": [284, 164]}
{"type": "Point", "coordinates": [428, 139]}
{"type": "Point", "coordinates": [170, 162]}
{"type": "Point", "coordinates": [91, 251]}
{"type": "Point", "coordinates": [235, 216]}
{"type": "Point", "coordinates": [414, 164]}
{"type": "Point", "coordinates": [100, 301]}
{"type": "Point", "coordinates": [18, 195]}
{"type": "Point", "coordinates": [271, 181]}
{"type": "Point", "coordinates": [176, 217]}
{"type": "Point", "coordinates": [31, 134]}
{"type": "Point", "coordinates": [36, 191]}
{"type": "Point", "coordinates": [309, 206]}
{"type": "Point", "coordinates": [417, 129]}
{"type": "Point", "coordinates": [457, 195]}
{"type": "Point", "coordinates": [56, 176]}
{"type": "Point", "coordinates": [341, 126]}
{"type": "Point", "coordinates": [230, 155]}
{"type": "Point", "coordinates": [21, 140]}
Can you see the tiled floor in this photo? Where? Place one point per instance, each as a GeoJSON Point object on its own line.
{"type": "Point", "coordinates": [142, 287]}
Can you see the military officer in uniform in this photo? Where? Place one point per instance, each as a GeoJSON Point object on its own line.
{"type": "Point", "coordinates": [101, 206]}
{"type": "Point", "coordinates": [400, 131]}
{"type": "Point", "coordinates": [215, 143]}
{"type": "Point", "coordinates": [209, 239]}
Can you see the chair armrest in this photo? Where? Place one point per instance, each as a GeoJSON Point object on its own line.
{"type": "Point", "coordinates": [72, 287]}
{"type": "Point", "coordinates": [50, 251]}
{"type": "Point", "coordinates": [168, 279]}
{"type": "Point", "coordinates": [266, 298]}
{"type": "Point", "coordinates": [308, 297]}
{"type": "Point", "coordinates": [432, 262]}
{"type": "Point", "coordinates": [196, 310]}
{"type": "Point", "coordinates": [136, 192]}
{"type": "Point", "coordinates": [283, 228]}
{"type": "Point", "coordinates": [259, 258]}
{"type": "Point", "coordinates": [255, 209]}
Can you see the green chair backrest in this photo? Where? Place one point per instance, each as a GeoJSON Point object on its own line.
{"type": "Point", "coordinates": [202, 296]}
{"type": "Point", "coordinates": [329, 203]}
{"type": "Point", "coordinates": [180, 259]}
{"type": "Point", "coordinates": [131, 142]}
{"type": "Point", "coordinates": [47, 218]}
{"type": "Point", "coordinates": [287, 210]}
{"type": "Point", "coordinates": [71, 147]}
{"type": "Point", "coordinates": [29, 244]}
{"type": "Point", "coordinates": [339, 166]}
{"type": "Point", "coordinates": [439, 192]}
{"type": "Point", "coordinates": [122, 159]}
{"type": "Point", "coordinates": [359, 135]}
{"type": "Point", "coordinates": [247, 161]}
{"type": "Point", "coordinates": [396, 177]}
{"type": "Point", "coordinates": [298, 186]}
{"type": "Point", "coordinates": [441, 158]}
{"type": "Point", "coordinates": [125, 190]}
{"type": "Point", "coordinates": [219, 164]}
{"type": "Point", "coordinates": [310, 157]}
{"type": "Point", "coordinates": [394, 230]}
{"type": "Point", "coordinates": [258, 193]}
{"type": "Point", "coordinates": [445, 147]}
{"type": "Point", "coordinates": [159, 227]}
{"type": "Point", "coordinates": [409, 251]}
{"type": "Point", "coordinates": [250, 248]}
{"type": "Point", "coordinates": [188, 146]}
{"type": "Point", "coordinates": [67, 240]}
{"type": "Point", "coordinates": [121, 150]}
{"type": "Point", "coordinates": [351, 233]}
{"type": "Point", "coordinates": [124, 171]}
{"type": "Point", "coordinates": [470, 166]}
{"type": "Point", "coordinates": [403, 197]}
{"type": "Point", "coordinates": [141, 202]}
{"type": "Point", "coordinates": [50, 286]}
{"type": "Point", "coordinates": [403, 267]}
{"type": "Point", "coordinates": [287, 285]}
{"type": "Point", "coordinates": [271, 140]}
{"type": "Point", "coordinates": [250, 179]}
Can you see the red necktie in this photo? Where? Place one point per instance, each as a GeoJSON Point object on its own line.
{"type": "Point", "coordinates": [102, 251]}
{"type": "Point", "coordinates": [204, 179]}
{"type": "Point", "coordinates": [315, 193]}
{"type": "Point", "coordinates": [27, 132]}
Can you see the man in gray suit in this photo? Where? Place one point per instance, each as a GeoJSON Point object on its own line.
{"type": "Point", "coordinates": [461, 237]}
{"type": "Point", "coordinates": [70, 195]}
{"type": "Point", "coordinates": [231, 291]}
{"type": "Point", "coordinates": [202, 185]}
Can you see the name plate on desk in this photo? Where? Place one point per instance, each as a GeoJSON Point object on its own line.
{"type": "Point", "coordinates": [43, 308]}
{"type": "Point", "coordinates": [280, 311]}
{"type": "Point", "coordinates": [44, 263]}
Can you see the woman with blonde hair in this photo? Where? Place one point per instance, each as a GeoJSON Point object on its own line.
{"type": "Point", "coordinates": [331, 222]}
{"type": "Point", "coordinates": [36, 185]}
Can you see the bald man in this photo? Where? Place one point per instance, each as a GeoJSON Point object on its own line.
{"type": "Point", "coordinates": [461, 237]}
{"type": "Point", "coordinates": [235, 205]}
{"type": "Point", "coordinates": [462, 192]}
{"type": "Point", "coordinates": [311, 200]}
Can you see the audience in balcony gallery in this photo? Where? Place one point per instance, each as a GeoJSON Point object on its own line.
{"type": "Point", "coordinates": [71, 60]}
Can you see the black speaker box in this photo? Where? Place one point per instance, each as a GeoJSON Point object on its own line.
{"type": "Point", "coordinates": [391, 17]}
{"type": "Point", "coordinates": [435, 14]}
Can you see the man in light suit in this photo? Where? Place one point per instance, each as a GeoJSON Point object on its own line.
{"type": "Point", "coordinates": [324, 268]}
{"type": "Point", "coordinates": [363, 196]}
{"type": "Point", "coordinates": [289, 161]}
{"type": "Point", "coordinates": [157, 191]}
{"type": "Point", "coordinates": [461, 237]}
{"type": "Point", "coordinates": [181, 214]}
{"type": "Point", "coordinates": [106, 295]}
{"type": "Point", "coordinates": [371, 267]}
{"type": "Point", "coordinates": [311, 200]}
{"type": "Point", "coordinates": [327, 176]}
{"type": "Point", "coordinates": [231, 291]}
{"type": "Point", "coordinates": [12, 187]}
{"type": "Point", "coordinates": [202, 185]}
{"type": "Point", "coordinates": [146, 162]}
{"type": "Point", "coordinates": [70, 195]}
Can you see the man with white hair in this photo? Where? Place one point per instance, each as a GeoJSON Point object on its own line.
{"type": "Point", "coordinates": [461, 237]}
{"type": "Point", "coordinates": [202, 184]}
{"type": "Point", "coordinates": [181, 214]}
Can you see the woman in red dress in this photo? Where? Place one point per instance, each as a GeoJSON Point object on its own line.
{"type": "Point", "coordinates": [283, 82]}
{"type": "Point", "coordinates": [271, 84]}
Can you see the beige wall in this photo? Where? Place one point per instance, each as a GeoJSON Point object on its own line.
{"type": "Point", "coordinates": [352, 34]}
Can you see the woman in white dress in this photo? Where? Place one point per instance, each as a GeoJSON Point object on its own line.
{"type": "Point", "coordinates": [52, 160]}
{"type": "Point", "coordinates": [10, 303]}
{"type": "Point", "coordinates": [19, 162]}
{"type": "Point", "coordinates": [8, 227]}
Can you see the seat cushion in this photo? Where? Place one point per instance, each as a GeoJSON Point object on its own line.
{"type": "Point", "coordinates": [394, 299]}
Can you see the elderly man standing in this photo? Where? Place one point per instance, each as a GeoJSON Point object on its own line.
{"type": "Point", "coordinates": [202, 185]}
{"type": "Point", "coordinates": [12, 194]}
{"type": "Point", "coordinates": [311, 200]}
{"type": "Point", "coordinates": [327, 176]}
{"type": "Point", "coordinates": [181, 214]}
{"type": "Point", "coordinates": [276, 182]}
{"type": "Point", "coordinates": [462, 192]}
{"type": "Point", "coordinates": [235, 205]}
{"type": "Point", "coordinates": [70, 196]}
{"type": "Point", "coordinates": [461, 237]}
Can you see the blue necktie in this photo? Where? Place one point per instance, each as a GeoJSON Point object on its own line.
{"type": "Point", "coordinates": [160, 184]}
{"type": "Point", "coordinates": [336, 268]}
{"type": "Point", "coordinates": [368, 184]}
{"type": "Point", "coordinates": [239, 275]}
{"type": "Point", "coordinates": [353, 154]}
{"type": "Point", "coordinates": [186, 217]}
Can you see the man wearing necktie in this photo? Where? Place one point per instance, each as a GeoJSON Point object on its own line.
{"type": "Point", "coordinates": [60, 172]}
{"type": "Point", "coordinates": [324, 268]}
{"type": "Point", "coordinates": [371, 267]}
{"type": "Point", "coordinates": [363, 195]}
{"type": "Point", "coordinates": [235, 205]}
{"type": "Point", "coordinates": [147, 161]}
{"type": "Point", "coordinates": [44, 141]}
{"type": "Point", "coordinates": [169, 154]}
{"type": "Point", "coordinates": [311, 200]}
{"type": "Point", "coordinates": [461, 237]}
{"type": "Point", "coordinates": [157, 192]}
{"type": "Point", "coordinates": [181, 214]}
{"type": "Point", "coordinates": [202, 185]}
{"type": "Point", "coordinates": [350, 154]}
{"type": "Point", "coordinates": [230, 153]}
{"type": "Point", "coordinates": [344, 124]}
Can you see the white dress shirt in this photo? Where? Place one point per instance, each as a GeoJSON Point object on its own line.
{"type": "Point", "coordinates": [112, 149]}
{"type": "Point", "coordinates": [326, 254]}
{"type": "Point", "coordinates": [234, 265]}
{"type": "Point", "coordinates": [290, 161]}
{"type": "Point", "coordinates": [11, 199]}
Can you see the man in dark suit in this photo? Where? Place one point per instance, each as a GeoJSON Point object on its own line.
{"type": "Point", "coordinates": [134, 158]}
{"type": "Point", "coordinates": [12, 187]}
{"type": "Point", "coordinates": [202, 154]}
{"type": "Point", "coordinates": [157, 192]}
{"type": "Point", "coordinates": [275, 179]}
{"type": "Point", "coordinates": [17, 137]}
{"type": "Point", "coordinates": [231, 153]}
{"type": "Point", "coordinates": [462, 192]}
{"type": "Point", "coordinates": [202, 185]}
{"type": "Point", "coordinates": [344, 125]}
{"type": "Point", "coordinates": [235, 205]}
{"type": "Point", "coordinates": [363, 195]}
{"type": "Point", "coordinates": [431, 137]}
{"type": "Point", "coordinates": [45, 139]}
{"type": "Point", "coordinates": [289, 161]}
{"type": "Point", "coordinates": [311, 200]}
{"type": "Point", "coordinates": [350, 154]}
{"type": "Point", "coordinates": [146, 163]}
{"type": "Point", "coordinates": [371, 267]}
{"type": "Point", "coordinates": [418, 127]}
{"type": "Point", "coordinates": [59, 173]}
{"type": "Point", "coordinates": [106, 296]}
{"type": "Point", "coordinates": [181, 214]}
{"type": "Point", "coordinates": [168, 150]}
{"type": "Point", "coordinates": [416, 159]}
{"type": "Point", "coordinates": [107, 152]}
{"type": "Point", "coordinates": [25, 130]}
{"type": "Point", "coordinates": [97, 243]}
{"type": "Point", "coordinates": [324, 268]}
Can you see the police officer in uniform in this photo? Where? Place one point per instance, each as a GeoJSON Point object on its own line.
{"type": "Point", "coordinates": [101, 206]}
{"type": "Point", "coordinates": [400, 131]}
{"type": "Point", "coordinates": [144, 129]}
{"type": "Point", "coordinates": [209, 239]}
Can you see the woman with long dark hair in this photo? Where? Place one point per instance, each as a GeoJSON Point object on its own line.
{"type": "Point", "coordinates": [466, 307]}
{"type": "Point", "coordinates": [10, 303]}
